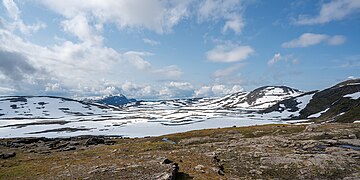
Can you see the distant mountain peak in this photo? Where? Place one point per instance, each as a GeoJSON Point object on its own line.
{"type": "Point", "coordinates": [114, 99]}
{"type": "Point", "coordinates": [272, 94]}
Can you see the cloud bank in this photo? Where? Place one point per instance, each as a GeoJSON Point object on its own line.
{"type": "Point", "coordinates": [311, 39]}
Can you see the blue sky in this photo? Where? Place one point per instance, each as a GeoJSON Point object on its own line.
{"type": "Point", "coordinates": [158, 49]}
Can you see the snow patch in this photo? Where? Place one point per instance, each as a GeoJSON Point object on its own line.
{"type": "Point", "coordinates": [318, 114]}
{"type": "Point", "coordinates": [354, 96]}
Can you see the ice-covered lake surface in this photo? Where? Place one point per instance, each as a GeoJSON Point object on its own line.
{"type": "Point", "coordinates": [136, 128]}
{"type": "Point", "coordinates": [57, 117]}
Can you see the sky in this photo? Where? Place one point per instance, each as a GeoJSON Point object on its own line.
{"type": "Point", "coordinates": [164, 49]}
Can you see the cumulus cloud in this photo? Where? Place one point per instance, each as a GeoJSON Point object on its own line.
{"type": "Point", "coordinates": [156, 15]}
{"type": "Point", "coordinates": [132, 89]}
{"type": "Point", "coordinates": [136, 59]}
{"type": "Point", "coordinates": [310, 39]}
{"type": "Point", "coordinates": [79, 26]}
{"type": "Point", "coordinates": [331, 11]}
{"type": "Point", "coordinates": [204, 91]}
{"type": "Point", "coordinates": [15, 66]}
{"type": "Point", "coordinates": [217, 90]}
{"type": "Point", "coordinates": [86, 66]}
{"type": "Point", "coordinates": [176, 89]}
{"type": "Point", "coordinates": [181, 85]}
{"type": "Point", "coordinates": [151, 42]}
{"type": "Point", "coordinates": [51, 87]}
{"type": "Point", "coordinates": [229, 53]}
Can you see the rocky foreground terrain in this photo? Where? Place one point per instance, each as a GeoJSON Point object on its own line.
{"type": "Point", "coordinates": [317, 151]}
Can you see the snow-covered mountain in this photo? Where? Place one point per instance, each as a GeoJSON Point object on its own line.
{"type": "Point", "coordinates": [258, 99]}
{"type": "Point", "coordinates": [48, 107]}
{"type": "Point", "coordinates": [339, 103]}
{"type": "Point", "coordinates": [113, 100]}
{"type": "Point", "coordinates": [57, 116]}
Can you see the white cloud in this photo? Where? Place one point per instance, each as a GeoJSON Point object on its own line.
{"type": "Point", "coordinates": [151, 42]}
{"type": "Point", "coordinates": [80, 68]}
{"type": "Point", "coordinates": [217, 90]}
{"type": "Point", "coordinates": [6, 90]}
{"type": "Point", "coordinates": [204, 91]}
{"type": "Point", "coordinates": [220, 90]}
{"type": "Point", "coordinates": [79, 26]}
{"type": "Point", "coordinates": [53, 87]}
{"type": "Point", "coordinates": [336, 40]}
{"type": "Point", "coordinates": [156, 15]}
{"type": "Point", "coordinates": [27, 29]}
{"type": "Point", "coordinates": [140, 91]}
{"type": "Point", "coordinates": [287, 58]}
{"type": "Point", "coordinates": [277, 57]}
{"type": "Point", "coordinates": [229, 53]}
{"type": "Point", "coordinates": [136, 59]}
{"type": "Point", "coordinates": [176, 89]}
{"type": "Point", "coordinates": [87, 66]}
{"type": "Point", "coordinates": [12, 9]}
{"type": "Point", "coordinates": [236, 24]}
{"type": "Point", "coordinates": [331, 11]}
{"type": "Point", "coordinates": [181, 85]}
{"type": "Point", "coordinates": [310, 39]}
{"type": "Point", "coordinates": [236, 88]}
{"type": "Point", "coordinates": [17, 23]}
{"type": "Point", "coordinates": [229, 10]}
{"type": "Point", "coordinates": [227, 71]}
{"type": "Point", "coordinates": [171, 72]}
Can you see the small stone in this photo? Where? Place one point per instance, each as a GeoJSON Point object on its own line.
{"type": "Point", "coordinates": [7, 155]}
{"type": "Point", "coordinates": [70, 148]}
{"type": "Point", "coordinates": [200, 168]}
{"type": "Point", "coordinates": [94, 141]}
{"type": "Point", "coordinates": [255, 172]}
{"type": "Point", "coordinates": [352, 136]}
{"type": "Point", "coordinates": [216, 159]}
{"type": "Point", "coordinates": [164, 176]}
{"type": "Point", "coordinates": [166, 161]}
{"type": "Point", "coordinates": [219, 170]}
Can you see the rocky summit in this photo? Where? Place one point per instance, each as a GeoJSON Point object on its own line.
{"type": "Point", "coordinates": [316, 151]}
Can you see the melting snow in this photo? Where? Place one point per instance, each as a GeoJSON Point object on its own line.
{"type": "Point", "coordinates": [353, 95]}
{"type": "Point", "coordinates": [37, 114]}
{"type": "Point", "coordinates": [318, 114]}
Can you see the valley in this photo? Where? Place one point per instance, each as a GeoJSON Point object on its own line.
{"type": "Point", "coordinates": [46, 116]}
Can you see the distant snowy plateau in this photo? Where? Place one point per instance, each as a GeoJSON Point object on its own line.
{"type": "Point", "coordinates": [34, 116]}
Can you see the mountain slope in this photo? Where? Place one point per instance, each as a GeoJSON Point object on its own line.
{"type": "Point", "coordinates": [258, 99]}
{"type": "Point", "coordinates": [339, 103]}
{"type": "Point", "coordinates": [336, 103]}
{"type": "Point", "coordinates": [113, 100]}
{"type": "Point", "coordinates": [45, 107]}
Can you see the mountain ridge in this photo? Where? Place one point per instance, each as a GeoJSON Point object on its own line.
{"type": "Point", "coordinates": [330, 104]}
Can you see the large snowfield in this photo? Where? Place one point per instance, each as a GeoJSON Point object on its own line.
{"type": "Point", "coordinates": [59, 117]}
